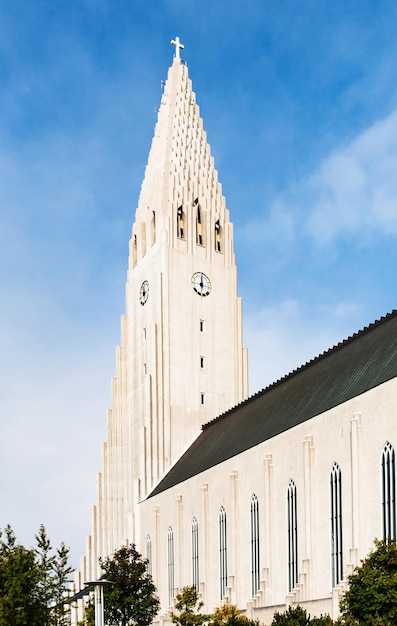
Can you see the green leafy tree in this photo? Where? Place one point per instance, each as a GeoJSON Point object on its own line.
{"type": "Point", "coordinates": [131, 599]}
{"type": "Point", "coordinates": [187, 608]}
{"type": "Point", "coordinates": [230, 615]}
{"type": "Point", "coordinates": [62, 572]}
{"type": "Point", "coordinates": [89, 615]}
{"type": "Point", "coordinates": [45, 561]}
{"type": "Point", "coordinates": [295, 616]}
{"type": "Point", "coordinates": [54, 579]}
{"type": "Point", "coordinates": [20, 603]}
{"type": "Point", "coordinates": [33, 582]}
{"type": "Point", "coordinates": [323, 620]}
{"type": "Point", "coordinates": [348, 620]}
{"type": "Point", "coordinates": [372, 595]}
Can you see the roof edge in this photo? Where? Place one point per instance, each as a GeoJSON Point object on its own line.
{"type": "Point", "coordinates": [298, 370]}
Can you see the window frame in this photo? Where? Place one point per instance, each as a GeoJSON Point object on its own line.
{"type": "Point", "coordinates": [388, 488]}
{"type": "Point", "coordinates": [148, 548]}
{"type": "Point", "coordinates": [222, 552]}
{"type": "Point", "coordinates": [171, 565]}
{"type": "Point", "coordinates": [336, 525]}
{"type": "Point", "coordinates": [255, 562]}
{"type": "Point", "coordinates": [195, 554]}
{"type": "Point", "coordinates": [292, 534]}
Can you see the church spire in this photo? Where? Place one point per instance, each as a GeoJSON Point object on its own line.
{"type": "Point", "coordinates": [181, 361]}
{"type": "Point", "coordinates": [180, 195]}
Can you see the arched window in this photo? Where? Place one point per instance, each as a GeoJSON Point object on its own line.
{"type": "Point", "coordinates": [336, 525]}
{"type": "Point", "coordinates": [388, 493]}
{"type": "Point", "coordinates": [149, 554]}
{"type": "Point", "coordinates": [222, 553]}
{"type": "Point", "coordinates": [292, 536]}
{"type": "Point", "coordinates": [254, 545]}
{"type": "Point", "coordinates": [195, 554]}
{"type": "Point", "coordinates": [170, 565]}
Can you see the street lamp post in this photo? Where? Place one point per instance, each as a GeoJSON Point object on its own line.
{"type": "Point", "coordinates": [98, 586]}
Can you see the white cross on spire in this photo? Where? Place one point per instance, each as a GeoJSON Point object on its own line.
{"type": "Point", "coordinates": [178, 46]}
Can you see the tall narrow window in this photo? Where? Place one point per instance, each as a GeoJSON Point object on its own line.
{"type": "Point", "coordinates": [388, 493]}
{"type": "Point", "coordinates": [170, 565]}
{"type": "Point", "coordinates": [202, 398]}
{"type": "Point", "coordinates": [153, 228]}
{"type": "Point", "coordinates": [336, 525]}
{"type": "Point", "coordinates": [222, 553]}
{"type": "Point", "coordinates": [202, 362]}
{"type": "Point", "coordinates": [195, 554]}
{"type": "Point", "coordinates": [199, 224]}
{"type": "Point", "coordinates": [292, 536]}
{"type": "Point", "coordinates": [199, 227]}
{"type": "Point", "coordinates": [148, 555]}
{"type": "Point", "coordinates": [201, 326]}
{"type": "Point", "coordinates": [218, 236]}
{"type": "Point", "coordinates": [180, 218]}
{"type": "Point", "coordinates": [254, 545]}
{"type": "Point", "coordinates": [134, 251]}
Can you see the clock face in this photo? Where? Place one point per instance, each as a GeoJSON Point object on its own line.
{"type": "Point", "coordinates": [144, 292]}
{"type": "Point", "coordinates": [201, 284]}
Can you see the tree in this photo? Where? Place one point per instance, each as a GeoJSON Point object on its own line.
{"type": "Point", "coordinates": [131, 599]}
{"type": "Point", "coordinates": [230, 615]}
{"type": "Point", "coordinates": [45, 562]}
{"type": "Point", "coordinates": [89, 615]}
{"type": "Point", "coordinates": [20, 603]}
{"type": "Point", "coordinates": [188, 606]}
{"type": "Point", "coordinates": [61, 585]}
{"type": "Point", "coordinates": [372, 594]}
{"type": "Point", "coordinates": [54, 578]}
{"type": "Point", "coordinates": [295, 616]}
{"type": "Point", "coordinates": [33, 582]}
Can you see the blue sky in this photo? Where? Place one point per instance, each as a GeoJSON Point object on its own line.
{"type": "Point", "coordinates": [299, 101]}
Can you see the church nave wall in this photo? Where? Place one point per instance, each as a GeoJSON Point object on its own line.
{"type": "Point", "coordinates": [345, 442]}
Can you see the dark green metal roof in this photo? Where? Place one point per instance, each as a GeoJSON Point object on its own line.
{"type": "Point", "coordinates": [362, 362]}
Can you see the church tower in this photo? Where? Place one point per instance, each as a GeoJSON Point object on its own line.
{"type": "Point", "coordinates": [181, 361]}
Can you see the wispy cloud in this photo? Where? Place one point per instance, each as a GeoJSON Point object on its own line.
{"type": "Point", "coordinates": [312, 229]}
{"type": "Point", "coordinates": [351, 195]}
{"type": "Point", "coordinates": [355, 189]}
{"type": "Point", "coordinates": [290, 333]}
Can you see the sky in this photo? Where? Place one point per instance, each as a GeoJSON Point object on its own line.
{"type": "Point", "coordinates": [299, 101]}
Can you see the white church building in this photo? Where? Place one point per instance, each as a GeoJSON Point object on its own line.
{"type": "Point", "coordinates": [263, 502]}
